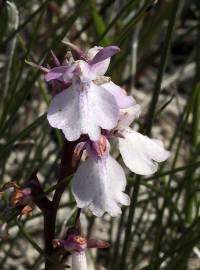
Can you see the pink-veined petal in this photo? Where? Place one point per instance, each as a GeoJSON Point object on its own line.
{"type": "Point", "coordinates": [88, 121]}
{"type": "Point", "coordinates": [98, 109]}
{"type": "Point", "coordinates": [140, 153]}
{"type": "Point", "coordinates": [120, 95]}
{"type": "Point", "coordinates": [93, 184]}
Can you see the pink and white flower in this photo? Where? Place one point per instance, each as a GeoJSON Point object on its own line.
{"type": "Point", "coordinates": [77, 245]}
{"type": "Point", "coordinates": [139, 153]}
{"type": "Point", "coordinates": [92, 102]}
{"type": "Point", "coordinates": [100, 181]}
{"type": "Point", "coordinates": [83, 109]}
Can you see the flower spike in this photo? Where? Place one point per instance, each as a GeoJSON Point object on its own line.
{"type": "Point", "coordinates": [86, 103]}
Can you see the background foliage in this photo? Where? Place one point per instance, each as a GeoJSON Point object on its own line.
{"type": "Point", "coordinates": [159, 65]}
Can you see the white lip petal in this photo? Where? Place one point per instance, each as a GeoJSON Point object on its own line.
{"type": "Point", "coordinates": [79, 261]}
{"type": "Point", "coordinates": [99, 185]}
{"type": "Point", "coordinates": [140, 153]}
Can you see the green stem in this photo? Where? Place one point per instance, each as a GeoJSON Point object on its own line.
{"type": "Point", "coordinates": [162, 66]}
{"type": "Point", "coordinates": [191, 186]}
{"type": "Point", "coordinates": [150, 118]}
{"type": "Point", "coordinates": [126, 244]}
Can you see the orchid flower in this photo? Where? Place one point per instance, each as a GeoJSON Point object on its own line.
{"type": "Point", "coordinates": [83, 109]}
{"type": "Point", "coordinates": [100, 180]}
{"type": "Point", "coordinates": [92, 102]}
{"type": "Point", "coordinates": [93, 183]}
{"type": "Point", "coordinates": [77, 245]}
{"type": "Point", "coordinates": [139, 153]}
{"type": "Point", "coordinates": [93, 105]}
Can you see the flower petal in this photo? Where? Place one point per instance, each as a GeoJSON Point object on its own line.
{"type": "Point", "coordinates": [104, 53]}
{"type": "Point", "coordinates": [101, 67]}
{"type": "Point", "coordinates": [64, 113]}
{"type": "Point", "coordinates": [123, 101]}
{"type": "Point", "coordinates": [79, 261]}
{"type": "Point", "coordinates": [141, 153]}
{"type": "Point", "coordinates": [69, 73]}
{"type": "Point", "coordinates": [55, 59]}
{"type": "Point", "coordinates": [93, 184]}
{"type": "Point", "coordinates": [92, 52]}
{"type": "Point", "coordinates": [83, 111]}
{"type": "Point", "coordinates": [98, 109]}
{"type": "Point", "coordinates": [127, 116]}
{"type": "Point", "coordinates": [86, 73]}
{"type": "Point", "coordinates": [104, 107]}
{"type": "Point", "coordinates": [93, 243]}
{"type": "Point", "coordinates": [43, 69]}
{"type": "Point", "coordinates": [56, 73]}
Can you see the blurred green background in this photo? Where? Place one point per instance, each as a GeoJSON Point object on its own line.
{"type": "Point", "coordinates": [159, 64]}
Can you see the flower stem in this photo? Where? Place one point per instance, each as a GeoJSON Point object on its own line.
{"type": "Point", "coordinates": [66, 169]}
